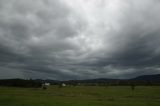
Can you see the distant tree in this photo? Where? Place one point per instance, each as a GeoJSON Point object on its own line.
{"type": "Point", "coordinates": [44, 87]}
{"type": "Point", "coordinates": [133, 86]}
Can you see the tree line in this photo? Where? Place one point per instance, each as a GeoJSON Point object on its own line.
{"type": "Point", "coordinates": [92, 82]}
{"type": "Point", "coordinates": [20, 83]}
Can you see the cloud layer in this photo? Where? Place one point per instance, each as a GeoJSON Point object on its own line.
{"type": "Point", "coordinates": [79, 39]}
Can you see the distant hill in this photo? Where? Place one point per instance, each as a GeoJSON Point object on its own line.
{"type": "Point", "coordinates": [148, 80]}
{"type": "Point", "coordinates": [155, 77]}
{"type": "Point", "coordinates": [140, 80]}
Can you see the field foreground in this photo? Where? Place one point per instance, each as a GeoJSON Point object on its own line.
{"type": "Point", "coordinates": [81, 96]}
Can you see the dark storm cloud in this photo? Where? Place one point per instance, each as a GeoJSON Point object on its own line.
{"type": "Point", "coordinates": [79, 39]}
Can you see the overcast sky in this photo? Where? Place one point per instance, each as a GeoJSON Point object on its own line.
{"type": "Point", "coordinates": [79, 39]}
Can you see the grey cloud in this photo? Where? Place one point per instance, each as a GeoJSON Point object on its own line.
{"type": "Point", "coordinates": [69, 40]}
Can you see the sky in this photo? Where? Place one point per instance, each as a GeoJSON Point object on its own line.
{"type": "Point", "coordinates": [79, 39]}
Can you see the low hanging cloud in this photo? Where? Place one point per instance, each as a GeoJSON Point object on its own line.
{"type": "Point", "coordinates": [79, 39]}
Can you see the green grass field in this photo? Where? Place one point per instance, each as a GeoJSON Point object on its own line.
{"type": "Point", "coordinates": [81, 96]}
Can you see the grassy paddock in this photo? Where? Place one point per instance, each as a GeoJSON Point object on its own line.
{"type": "Point", "coordinates": [81, 96]}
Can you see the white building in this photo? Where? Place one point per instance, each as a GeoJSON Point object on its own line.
{"type": "Point", "coordinates": [46, 84]}
{"type": "Point", "coordinates": [63, 84]}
